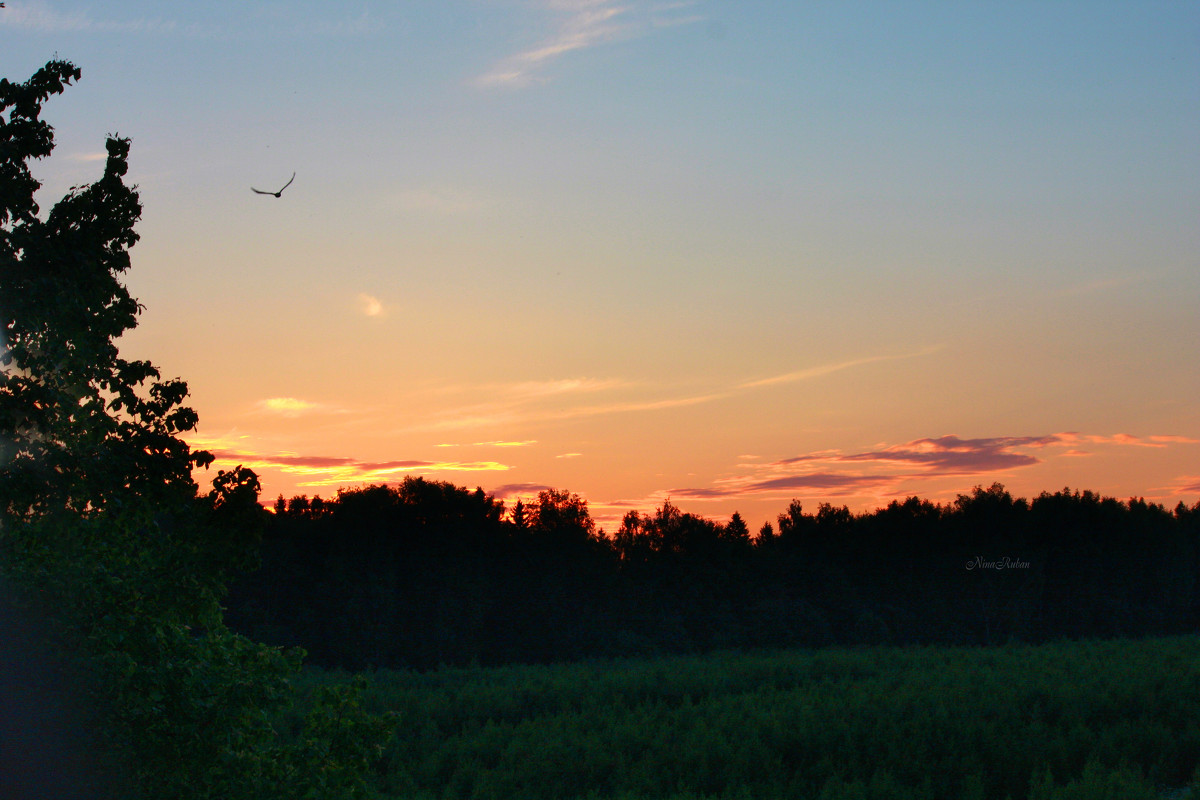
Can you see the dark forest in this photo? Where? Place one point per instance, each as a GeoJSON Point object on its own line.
{"type": "Point", "coordinates": [426, 573]}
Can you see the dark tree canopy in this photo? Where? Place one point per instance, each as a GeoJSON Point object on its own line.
{"type": "Point", "coordinates": [102, 523]}
{"type": "Point", "coordinates": [81, 426]}
{"type": "Point", "coordinates": [427, 573]}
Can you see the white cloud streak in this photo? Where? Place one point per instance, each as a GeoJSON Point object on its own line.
{"type": "Point", "coordinates": [588, 23]}
{"type": "Point", "coordinates": [552, 401]}
{"type": "Point", "coordinates": [829, 369]}
{"type": "Point", "coordinates": [41, 17]}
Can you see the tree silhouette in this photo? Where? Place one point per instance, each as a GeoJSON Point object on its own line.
{"type": "Point", "coordinates": [79, 434]}
{"type": "Point", "coordinates": [100, 519]}
{"type": "Point", "coordinates": [422, 573]}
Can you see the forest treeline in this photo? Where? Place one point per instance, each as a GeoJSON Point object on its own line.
{"type": "Point", "coordinates": [427, 573]}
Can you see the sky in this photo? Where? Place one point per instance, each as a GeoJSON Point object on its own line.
{"type": "Point", "coordinates": [725, 254]}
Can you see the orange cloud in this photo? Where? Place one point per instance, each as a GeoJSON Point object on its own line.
{"type": "Point", "coordinates": [525, 443]}
{"type": "Point", "coordinates": [339, 470]}
{"type": "Point", "coordinates": [1187, 484]}
{"type": "Point", "coordinates": [1125, 439]}
{"type": "Point", "coordinates": [287, 406]}
{"type": "Point", "coordinates": [370, 305]}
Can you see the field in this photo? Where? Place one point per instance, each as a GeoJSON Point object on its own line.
{"type": "Point", "coordinates": [1113, 719]}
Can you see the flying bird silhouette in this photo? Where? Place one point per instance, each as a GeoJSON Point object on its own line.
{"type": "Point", "coordinates": [280, 192]}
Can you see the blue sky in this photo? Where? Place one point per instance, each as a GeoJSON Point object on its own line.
{"type": "Point", "coordinates": [651, 249]}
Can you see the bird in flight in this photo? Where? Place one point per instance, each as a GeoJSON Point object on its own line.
{"type": "Point", "coordinates": [280, 192]}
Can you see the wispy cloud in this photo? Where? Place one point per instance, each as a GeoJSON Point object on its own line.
{"type": "Point", "coordinates": [525, 443]}
{"type": "Point", "coordinates": [832, 483]}
{"type": "Point", "coordinates": [828, 369]}
{"type": "Point", "coordinates": [43, 17]}
{"type": "Point", "coordinates": [294, 407]}
{"type": "Point", "coordinates": [287, 406]}
{"type": "Point", "coordinates": [1186, 484]}
{"type": "Point", "coordinates": [563, 386]}
{"type": "Point", "coordinates": [339, 470]}
{"type": "Point", "coordinates": [1076, 438]}
{"type": "Point", "coordinates": [1161, 440]}
{"type": "Point", "coordinates": [623, 407]}
{"type": "Point", "coordinates": [558, 400]}
{"type": "Point", "coordinates": [584, 24]}
{"type": "Point", "coordinates": [514, 412]}
{"type": "Point", "coordinates": [519, 402]}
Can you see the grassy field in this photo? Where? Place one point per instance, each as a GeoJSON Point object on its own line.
{"type": "Point", "coordinates": [1093, 719]}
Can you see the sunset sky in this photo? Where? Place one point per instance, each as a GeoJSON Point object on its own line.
{"type": "Point", "coordinates": [726, 253]}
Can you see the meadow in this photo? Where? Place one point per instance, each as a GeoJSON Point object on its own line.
{"type": "Point", "coordinates": [1115, 719]}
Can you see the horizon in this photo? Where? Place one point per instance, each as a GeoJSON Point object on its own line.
{"type": "Point", "coordinates": [728, 257]}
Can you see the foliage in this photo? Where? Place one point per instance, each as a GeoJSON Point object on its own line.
{"type": "Point", "coordinates": [78, 435]}
{"type": "Point", "coordinates": [1085, 720]}
{"type": "Point", "coordinates": [101, 521]}
{"type": "Point", "coordinates": [341, 744]}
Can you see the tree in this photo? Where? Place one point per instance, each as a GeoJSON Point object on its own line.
{"type": "Point", "coordinates": [101, 520]}
{"type": "Point", "coordinates": [78, 434]}
{"type": "Point", "coordinates": [736, 530]}
{"type": "Point", "coordinates": [91, 440]}
{"type": "Point", "coordinates": [560, 517]}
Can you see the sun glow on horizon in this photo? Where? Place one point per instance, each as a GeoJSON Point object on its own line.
{"type": "Point", "coordinates": [723, 255]}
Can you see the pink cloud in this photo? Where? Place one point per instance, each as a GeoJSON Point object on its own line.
{"type": "Point", "coordinates": [828, 482]}
{"type": "Point", "coordinates": [1187, 484]}
{"type": "Point", "coordinates": [510, 490]}
{"type": "Point", "coordinates": [316, 462]}
{"type": "Point", "coordinates": [949, 456]}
